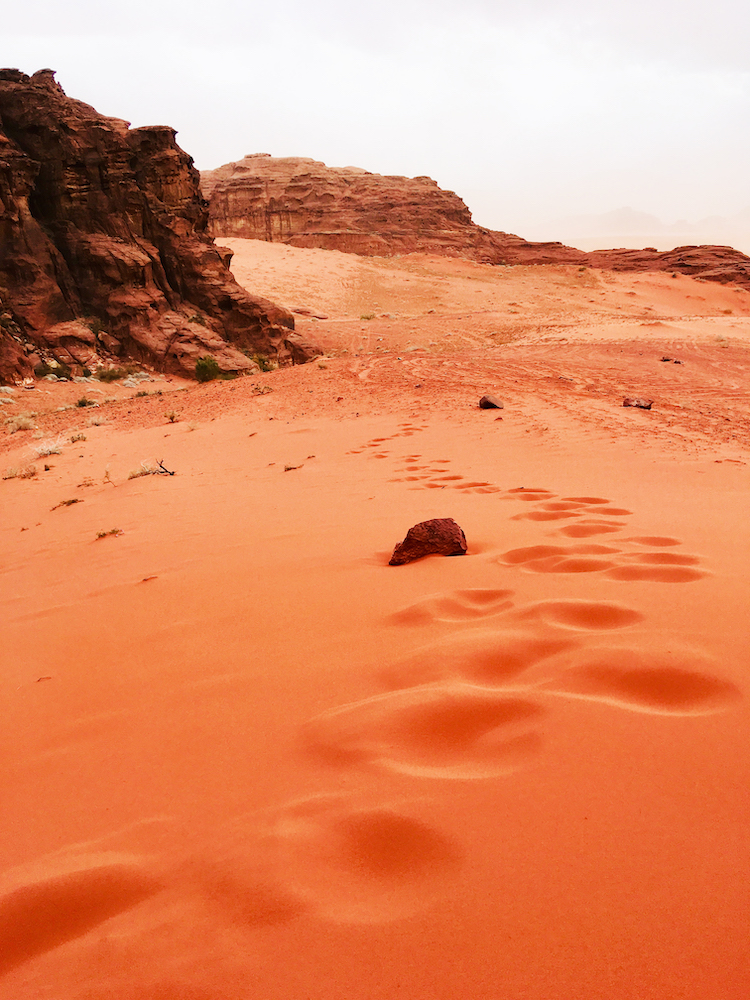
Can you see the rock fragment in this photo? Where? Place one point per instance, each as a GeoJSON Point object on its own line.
{"type": "Point", "coordinates": [639, 401]}
{"type": "Point", "coordinates": [440, 536]}
{"type": "Point", "coordinates": [490, 403]}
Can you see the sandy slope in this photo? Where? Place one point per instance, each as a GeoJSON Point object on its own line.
{"type": "Point", "coordinates": [244, 758]}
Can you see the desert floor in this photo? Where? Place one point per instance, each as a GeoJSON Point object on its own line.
{"type": "Point", "coordinates": [243, 757]}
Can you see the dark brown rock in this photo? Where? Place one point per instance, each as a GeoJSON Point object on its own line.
{"type": "Point", "coordinates": [307, 204]}
{"type": "Point", "coordinates": [104, 246]}
{"type": "Point", "coordinates": [441, 536]}
{"type": "Point", "coordinates": [640, 402]}
{"type": "Point", "coordinates": [490, 403]}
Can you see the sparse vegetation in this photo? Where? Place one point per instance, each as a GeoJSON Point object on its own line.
{"type": "Point", "coordinates": [146, 469]}
{"type": "Point", "coordinates": [172, 416]}
{"type": "Point", "coordinates": [97, 421]}
{"type": "Point", "coordinates": [77, 437]}
{"type": "Point", "coordinates": [20, 472]}
{"type": "Point", "coordinates": [140, 393]}
{"type": "Point", "coordinates": [83, 401]}
{"type": "Point", "coordinates": [261, 390]}
{"type": "Point", "coordinates": [197, 318]}
{"type": "Point", "coordinates": [48, 448]}
{"type": "Point", "coordinates": [105, 534]}
{"type": "Point", "coordinates": [112, 374]}
{"type": "Point", "coordinates": [264, 363]}
{"type": "Point", "coordinates": [22, 422]}
{"type": "Point", "coordinates": [368, 316]}
{"type": "Point", "coordinates": [206, 368]}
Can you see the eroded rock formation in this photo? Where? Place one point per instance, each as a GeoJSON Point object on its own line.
{"type": "Point", "coordinates": [104, 247]}
{"type": "Point", "coordinates": [307, 204]}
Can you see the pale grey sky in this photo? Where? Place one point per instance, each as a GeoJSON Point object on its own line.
{"type": "Point", "coordinates": [529, 109]}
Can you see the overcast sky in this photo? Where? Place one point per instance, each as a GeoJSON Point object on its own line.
{"type": "Point", "coordinates": [529, 109]}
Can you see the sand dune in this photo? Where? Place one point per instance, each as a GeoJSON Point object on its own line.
{"type": "Point", "coordinates": [244, 757]}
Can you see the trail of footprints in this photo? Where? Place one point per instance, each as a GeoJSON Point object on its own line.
{"type": "Point", "coordinates": [374, 448]}
{"type": "Point", "coordinates": [471, 705]}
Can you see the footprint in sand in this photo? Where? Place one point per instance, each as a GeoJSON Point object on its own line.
{"type": "Point", "coordinates": [449, 730]}
{"type": "Point", "coordinates": [662, 682]}
{"type": "Point", "coordinates": [488, 657]}
{"type": "Point", "coordinates": [461, 605]}
{"type": "Point", "coordinates": [614, 563]}
{"type": "Point", "coordinates": [585, 616]}
{"type": "Point", "coordinates": [358, 863]}
{"type": "Point", "coordinates": [561, 559]}
{"type": "Point", "coordinates": [405, 430]}
{"type": "Point", "coordinates": [55, 900]}
{"type": "Point", "coordinates": [434, 476]}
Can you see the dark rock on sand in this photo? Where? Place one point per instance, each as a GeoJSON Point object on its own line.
{"type": "Point", "coordinates": [441, 536]}
{"type": "Point", "coordinates": [490, 403]}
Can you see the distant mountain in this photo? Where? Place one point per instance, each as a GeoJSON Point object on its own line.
{"type": "Point", "coordinates": [627, 227]}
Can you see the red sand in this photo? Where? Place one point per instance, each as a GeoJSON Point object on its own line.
{"type": "Point", "coordinates": [245, 758]}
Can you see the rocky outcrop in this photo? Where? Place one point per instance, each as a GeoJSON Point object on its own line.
{"type": "Point", "coordinates": [307, 204]}
{"type": "Point", "coordinates": [104, 247]}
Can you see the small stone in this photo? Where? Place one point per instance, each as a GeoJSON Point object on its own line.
{"type": "Point", "coordinates": [441, 536]}
{"type": "Point", "coordinates": [642, 404]}
{"type": "Point", "coordinates": [490, 403]}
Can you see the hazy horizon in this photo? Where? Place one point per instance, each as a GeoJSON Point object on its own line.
{"type": "Point", "coordinates": [531, 110]}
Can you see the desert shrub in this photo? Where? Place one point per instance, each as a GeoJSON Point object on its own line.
{"type": "Point", "coordinates": [47, 448]}
{"type": "Point", "coordinates": [146, 469]}
{"type": "Point", "coordinates": [206, 368]}
{"type": "Point", "coordinates": [112, 374]}
{"type": "Point", "coordinates": [141, 392]}
{"type": "Point", "coordinates": [197, 318]}
{"type": "Point", "coordinates": [171, 417]}
{"type": "Point", "coordinates": [22, 472]}
{"type": "Point", "coordinates": [20, 423]}
{"type": "Point", "coordinates": [83, 401]}
{"type": "Point", "coordinates": [112, 531]}
{"type": "Point", "coordinates": [265, 364]}
{"type": "Point", "coordinates": [77, 437]}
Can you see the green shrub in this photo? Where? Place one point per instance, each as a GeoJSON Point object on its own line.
{"type": "Point", "coordinates": [206, 368]}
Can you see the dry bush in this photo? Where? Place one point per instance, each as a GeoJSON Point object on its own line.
{"type": "Point", "coordinates": [20, 472]}
{"type": "Point", "coordinates": [23, 422]}
{"type": "Point", "coordinates": [49, 447]}
{"type": "Point", "coordinates": [146, 469]}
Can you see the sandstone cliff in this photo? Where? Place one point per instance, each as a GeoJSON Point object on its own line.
{"type": "Point", "coordinates": [104, 247]}
{"type": "Point", "coordinates": [307, 204]}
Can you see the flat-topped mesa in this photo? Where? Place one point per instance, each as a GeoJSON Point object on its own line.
{"type": "Point", "coordinates": [104, 248]}
{"type": "Point", "coordinates": [304, 203]}
{"type": "Point", "coordinates": [307, 204]}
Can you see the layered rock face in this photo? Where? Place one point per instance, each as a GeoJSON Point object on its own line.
{"type": "Point", "coordinates": [104, 247]}
{"type": "Point", "coordinates": [307, 204]}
